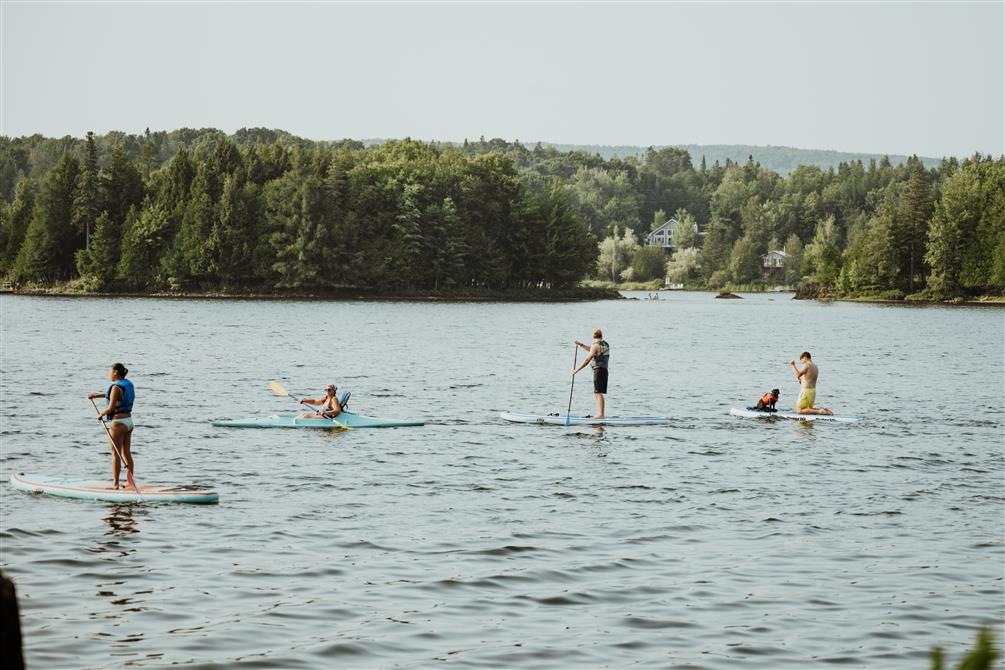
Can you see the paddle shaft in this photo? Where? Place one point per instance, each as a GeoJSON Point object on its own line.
{"type": "Point", "coordinates": [111, 441]}
{"type": "Point", "coordinates": [572, 385]}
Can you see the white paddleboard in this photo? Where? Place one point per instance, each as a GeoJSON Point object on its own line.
{"type": "Point", "coordinates": [781, 414]}
{"type": "Point", "coordinates": [560, 420]}
{"type": "Point", "coordinates": [92, 490]}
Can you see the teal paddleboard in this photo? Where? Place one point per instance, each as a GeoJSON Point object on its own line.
{"type": "Point", "coordinates": [291, 421]}
{"type": "Point", "coordinates": [102, 490]}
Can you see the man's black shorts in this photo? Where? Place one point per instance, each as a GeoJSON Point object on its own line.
{"type": "Point", "coordinates": [600, 380]}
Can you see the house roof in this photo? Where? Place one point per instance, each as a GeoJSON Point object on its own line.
{"type": "Point", "coordinates": [776, 251]}
{"type": "Point", "coordinates": [667, 225]}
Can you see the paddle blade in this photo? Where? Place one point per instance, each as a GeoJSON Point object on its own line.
{"type": "Point", "coordinates": [341, 426]}
{"type": "Point", "coordinates": [278, 388]}
{"type": "Point", "coordinates": [131, 481]}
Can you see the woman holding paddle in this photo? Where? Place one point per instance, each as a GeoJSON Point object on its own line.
{"type": "Point", "coordinates": [120, 396]}
{"type": "Point", "coordinates": [328, 405]}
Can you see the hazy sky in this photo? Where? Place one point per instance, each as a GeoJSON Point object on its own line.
{"type": "Point", "coordinates": [906, 77]}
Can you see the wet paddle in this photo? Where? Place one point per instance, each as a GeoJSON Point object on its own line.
{"type": "Point", "coordinates": [129, 471]}
{"type": "Point", "coordinates": [280, 390]}
{"type": "Point", "coordinates": [575, 359]}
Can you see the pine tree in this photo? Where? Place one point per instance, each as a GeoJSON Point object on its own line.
{"type": "Point", "coordinates": [51, 241]}
{"type": "Point", "coordinates": [144, 240]}
{"type": "Point", "coordinates": [121, 186]}
{"type": "Point", "coordinates": [568, 241]}
{"type": "Point", "coordinates": [15, 223]}
{"type": "Point", "coordinates": [409, 242]}
{"type": "Point", "coordinates": [953, 224]}
{"type": "Point", "coordinates": [100, 260]}
{"type": "Point", "coordinates": [233, 237]}
{"type": "Point", "coordinates": [86, 198]}
{"type": "Point", "coordinates": [191, 256]}
{"type": "Point", "coordinates": [912, 220]}
{"type": "Point", "coordinates": [34, 259]}
{"type": "Point", "coordinates": [445, 247]}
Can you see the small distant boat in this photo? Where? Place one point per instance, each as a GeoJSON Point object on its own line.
{"type": "Point", "coordinates": [92, 490]}
{"type": "Point", "coordinates": [293, 421]}
{"type": "Point", "coordinates": [755, 414]}
{"type": "Point", "coordinates": [560, 420]}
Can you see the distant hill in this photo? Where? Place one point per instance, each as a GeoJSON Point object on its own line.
{"type": "Point", "coordinates": [782, 160]}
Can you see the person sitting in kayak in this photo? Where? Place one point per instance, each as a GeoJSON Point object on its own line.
{"type": "Point", "coordinates": [328, 405]}
{"type": "Point", "coordinates": [120, 395]}
{"type": "Point", "coordinates": [767, 402]}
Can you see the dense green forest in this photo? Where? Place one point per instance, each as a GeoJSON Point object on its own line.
{"type": "Point", "coordinates": [261, 209]}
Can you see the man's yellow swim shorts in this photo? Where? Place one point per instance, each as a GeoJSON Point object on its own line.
{"type": "Point", "coordinates": [806, 398]}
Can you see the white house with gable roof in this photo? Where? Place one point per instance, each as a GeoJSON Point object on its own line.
{"type": "Point", "coordinates": [663, 236]}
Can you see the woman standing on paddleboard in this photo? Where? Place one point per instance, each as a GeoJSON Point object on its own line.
{"type": "Point", "coordinates": [120, 395]}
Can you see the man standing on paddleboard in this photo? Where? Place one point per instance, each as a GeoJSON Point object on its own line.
{"type": "Point", "coordinates": [600, 354]}
{"type": "Point", "coordinates": [807, 378]}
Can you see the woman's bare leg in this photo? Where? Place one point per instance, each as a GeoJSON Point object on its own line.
{"type": "Point", "coordinates": [127, 451]}
{"type": "Point", "coordinates": [122, 442]}
{"type": "Point", "coordinates": [116, 466]}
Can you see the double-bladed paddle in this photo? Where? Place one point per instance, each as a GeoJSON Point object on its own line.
{"type": "Point", "coordinates": [129, 470]}
{"type": "Point", "coordinates": [280, 390]}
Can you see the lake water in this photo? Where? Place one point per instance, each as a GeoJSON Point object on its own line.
{"type": "Point", "coordinates": [713, 542]}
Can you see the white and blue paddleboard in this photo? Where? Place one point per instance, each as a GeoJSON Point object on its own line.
{"type": "Point", "coordinates": [102, 490]}
{"type": "Point", "coordinates": [756, 414]}
{"type": "Point", "coordinates": [573, 420]}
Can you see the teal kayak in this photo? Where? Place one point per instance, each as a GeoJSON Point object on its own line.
{"type": "Point", "coordinates": [781, 414]}
{"type": "Point", "coordinates": [92, 490]}
{"type": "Point", "coordinates": [291, 421]}
{"type": "Point", "coordinates": [573, 420]}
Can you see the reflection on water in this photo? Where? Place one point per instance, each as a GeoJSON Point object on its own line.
{"type": "Point", "coordinates": [121, 519]}
{"type": "Point", "coordinates": [715, 542]}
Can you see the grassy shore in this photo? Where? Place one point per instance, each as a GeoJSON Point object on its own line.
{"type": "Point", "coordinates": [575, 294]}
{"type": "Point", "coordinates": [814, 291]}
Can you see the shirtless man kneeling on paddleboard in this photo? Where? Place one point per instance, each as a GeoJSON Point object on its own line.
{"type": "Point", "coordinates": [807, 377]}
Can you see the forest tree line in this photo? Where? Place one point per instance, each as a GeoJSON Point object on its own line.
{"type": "Point", "coordinates": [265, 210]}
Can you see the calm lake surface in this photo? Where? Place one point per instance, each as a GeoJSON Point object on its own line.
{"type": "Point", "coordinates": [714, 542]}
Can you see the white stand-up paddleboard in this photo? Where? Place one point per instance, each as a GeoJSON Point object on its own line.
{"type": "Point", "coordinates": [756, 414]}
{"type": "Point", "coordinates": [91, 490]}
{"type": "Point", "coordinates": [560, 420]}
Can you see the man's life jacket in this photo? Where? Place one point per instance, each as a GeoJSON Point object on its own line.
{"type": "Point", "coordinates": [601, 359]}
